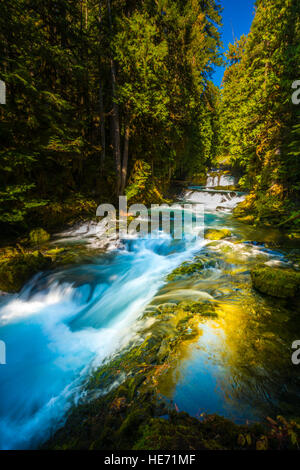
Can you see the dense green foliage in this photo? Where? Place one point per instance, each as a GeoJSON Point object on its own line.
{"type": "Point", "coordinates": [111, 97]}
{"type": "Point", "coordinates": [260, 126]}
{"type": "Point", "coordinates": [94, 87]}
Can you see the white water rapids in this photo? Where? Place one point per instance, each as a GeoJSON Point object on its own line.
{"type": "Point", "coordinates": [63, 324]}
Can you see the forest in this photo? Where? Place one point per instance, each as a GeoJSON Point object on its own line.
{"type": "Point", "coordinates": [104, 99]}
{"type": "Point", "coordinates": [149, 344]}
{"type": "Point", "coordinates": [101, 99]}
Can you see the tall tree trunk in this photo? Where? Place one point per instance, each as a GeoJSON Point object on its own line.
{"type": "Point", "coordinates": [115, 114]}
{"type": "Point", "coordinates": [125, 159]}
{"type": "Point", "coordinates": [102, 127]}
{"type": "Point", "coordinates": [86, 14]}
{"type": "Point", "coordinates": [101, 105]}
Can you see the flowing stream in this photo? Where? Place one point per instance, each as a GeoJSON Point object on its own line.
{"type": "Point", "coordinates": [65, 323]}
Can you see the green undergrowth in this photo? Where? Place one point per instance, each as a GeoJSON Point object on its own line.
{"type": "Point", "coordinates": [265, 209]}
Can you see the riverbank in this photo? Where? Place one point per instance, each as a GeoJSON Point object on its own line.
{"type": "Point", "coordinates": [131, 402]}
{"type": "Point", "coordinates": [156, 338]}
{"type": "Point", "coordinates": [124, 405]}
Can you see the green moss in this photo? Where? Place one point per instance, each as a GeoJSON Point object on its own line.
{"type": "Point", "coordinates": [277, 282]}
{"type": "Point", "coordinates": [39, 236]}
{"type": "Point", "coordinates": [128, 416]}
{"type": "Point", "coordinates": [168, 307]}
{"type": "Point", "coordinates": [246, 207]}
{"type": "Point", "coordinates": [185, 269]}
{"type": "Point", "coordinates": [18, 270]}
{"type": "Point", "coordinates": [199, 308]}
{"type": "Point", "coordinates": [248, 219]}
{"type": "Point", "coordinates": [268, 208]}
{"type": "Point", "coordinates": [226, 188]}
{"type": "Point", "coordinates": [182, 431]}
{"type": "Point", "coordinates": [130, 426]}
{"type": "Point", "coordinates": [217, 234]}
{"type": "Point", "coordinates": [294, 236]}
{"type": "Point", "coordinates": [18, 265]}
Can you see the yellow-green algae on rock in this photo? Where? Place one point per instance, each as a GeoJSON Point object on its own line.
{"type": "Point", "coordinates": [186, 268]}
{"type": "Point", "coordinates": [217, 234]}
{"type": "Point", "coordinates": [130, 413]}
{"type": "Point", "coordinates": [277, 282]}
{"type": "Point", "coordinates": [15, 272]}
{"type": "Point", "coordinates": [38, 236]}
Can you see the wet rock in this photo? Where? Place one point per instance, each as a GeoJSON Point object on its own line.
{"type": "Point", "coordinates": [128, 416]}
{"type": "Point", "coordinates": [204, 309]}
{"type": "Point", "coordinates": [217, 234]}
{"type": "Point", "coordinates": [294, 236]}
{"type": "Point", "coordinates": [39, 236]}
{"type": "Point", "coordinates": [277, 282]}
{"type": "Point", "coordinates": [18, 270]}
{"type": "Point", "coordinates": [186, 269]}
{"type": "Point", "coordinates": [167, 307]}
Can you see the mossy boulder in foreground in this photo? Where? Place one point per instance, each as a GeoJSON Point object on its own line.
{"type": "Point", "coordinates": [38, 236]}
{"type": "Point", "coordinates": [217, 234]}
{"type": "Point", "coordinates": [277, 282]}
{"type": "Point", "coordinates": [18, 270]}
{"type": "Point", "coordinates": [131, 413]}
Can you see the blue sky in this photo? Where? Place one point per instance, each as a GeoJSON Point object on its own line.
{"type": "Point", "coordinates": [237, 18]}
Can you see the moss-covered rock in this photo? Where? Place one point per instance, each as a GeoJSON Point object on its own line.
{"type": "Point", "coordinates": [230, 187]}
{"type": "Point", "coordinates": [182, 431]}
{"type": "Point", "coordinates": [217, 234]}
{"type": "Point", "coordinates": [39, 236]}
{"type": "Point", "coordinates": [185, 269]}
{"type": "Point", "coordinates": [131, 413]}
{"type": "Point", "coordinates": [18, 270]}
{"type": "Point", "coordinates": [248, 219]}
{"type": "Point", "coordinates": [277, 282]}
{"type": "Point", "coordinates": [294, 236]}
{"type": "Point", "coordinates": [204, 309]}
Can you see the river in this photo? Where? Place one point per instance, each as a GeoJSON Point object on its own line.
{"type": "Point", "coordinates": [63, 324]}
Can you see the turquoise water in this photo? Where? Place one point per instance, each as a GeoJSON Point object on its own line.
{"type": "Point", "coordinates": [63, 324]}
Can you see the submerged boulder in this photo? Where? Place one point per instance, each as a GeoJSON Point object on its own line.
{"type": "Point", "coordinates": [217, 234]}
{"type": "Point", "coordinates": [186, 269]}
{"type": "Point", "coordinates": [277, 282]}
{"type": "Point", "coordinates": [18, 270]}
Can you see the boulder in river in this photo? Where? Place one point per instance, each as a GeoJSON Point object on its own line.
{"type": "Point", "coordinates": [186, 269]}
{"type": "Point", "coordinates": [277, 282]}
{"type": "Point", "coordinates": [15, 272]}
{"type": "Point", "coordinates": [217, 234]}
{"type": "Point", "coordinates": [38, 236]}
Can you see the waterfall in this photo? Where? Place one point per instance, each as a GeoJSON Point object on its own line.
{"type": "Point", "coordinates": [217, 179]}
{"type": "Point", "coordinates": [215, 199]}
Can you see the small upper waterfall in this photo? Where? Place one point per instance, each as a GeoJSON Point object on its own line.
{"type": "Point", "coordinates": [217, 194]}
{"type": "Point", "coordinates": [217, 179]}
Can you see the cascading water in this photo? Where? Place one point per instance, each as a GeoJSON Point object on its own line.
{"type": "Point", "coordinates": [213, 196]}
{"type": "Point", "coordinates": [213, 200]}
{"type": "Point", "coordinates": [63, 324]}
{"type": "Point", "coordinates": [216, 179]}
